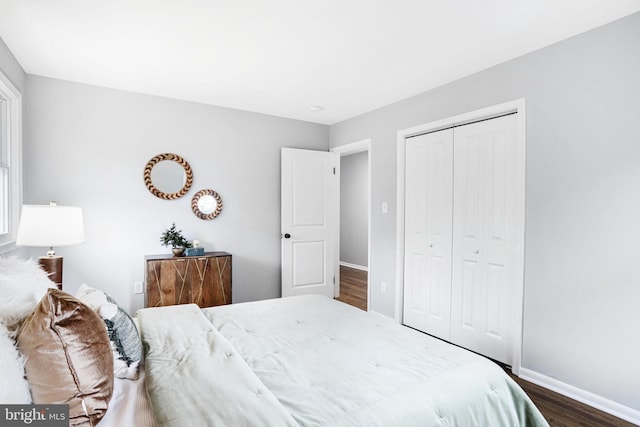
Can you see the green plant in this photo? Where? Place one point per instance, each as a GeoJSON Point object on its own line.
{"type": "Point", "coordinates": [174, 238]}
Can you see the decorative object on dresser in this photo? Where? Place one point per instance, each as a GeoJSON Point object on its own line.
{"type": "Point", "coordinates": [168, 176]}
{"type": "Point", "coordinates": [206, 204]}
{"type": "Point", "coordinates": [174, 238]}
{"type": "Point", "coordinates": [194, 251]}
{"type": "Point", "coordinates": [48, 226]}
{"type": "Point", "coordinates": [202, 280]}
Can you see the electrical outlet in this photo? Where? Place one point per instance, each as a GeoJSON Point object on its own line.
{"type": "Point", "coordinates": [383, 288]}
{"type": "Point", "coordinates": [137, 287]}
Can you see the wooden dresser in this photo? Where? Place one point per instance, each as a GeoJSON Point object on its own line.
{"type": "Point", "coordinates": [204, 280]}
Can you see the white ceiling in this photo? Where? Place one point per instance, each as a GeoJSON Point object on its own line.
{"type": "Point", "coordinates": [281, 57]}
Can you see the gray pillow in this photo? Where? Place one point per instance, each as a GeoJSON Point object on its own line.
{"type": "Point", "coordinates": [124, 334]}
{"type": "Point", "coordinates": [121, 329]}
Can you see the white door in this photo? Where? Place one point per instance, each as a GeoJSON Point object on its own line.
{"type": "Point", "coordinates": [428, 232]}
{"type": "Point", "coordinates": [309, 221]}
{"type": "Point", "coordinates": [485, 232]}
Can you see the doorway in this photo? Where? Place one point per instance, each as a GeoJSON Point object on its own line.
{"type": "Point", "coordinates": [352, 284]}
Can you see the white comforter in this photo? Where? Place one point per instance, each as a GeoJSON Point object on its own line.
{"type": "Point", "coordinates": [314, 361]}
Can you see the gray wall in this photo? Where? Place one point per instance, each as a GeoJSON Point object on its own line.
{"type": "Point", "coordinates": [354, 201]}
{"type": "Point", "coordinates": [583, 179]}
{"type": "Point", "coordinates": [11, 68]}
{"type": "Point", "coordinates": [87, 146]}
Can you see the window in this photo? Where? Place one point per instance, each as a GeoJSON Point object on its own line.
{"type": "Point", "coordinates": [10, 160]}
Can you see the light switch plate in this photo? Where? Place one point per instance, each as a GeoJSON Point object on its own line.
{"type": "Point", "coordinates": [137, 287]}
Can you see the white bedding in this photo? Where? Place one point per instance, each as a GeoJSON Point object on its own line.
{"type": "Point", "coordinates": [129, 406]}
{"type": "Point", "coordinates": [316, 361]}
{"type": "Point", "coordinates": [196, 378]}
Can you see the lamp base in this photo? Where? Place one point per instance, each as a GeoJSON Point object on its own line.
{"type": "Point", "coordinates": [53, 266]}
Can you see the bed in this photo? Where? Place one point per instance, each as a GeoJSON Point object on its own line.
{"type": "Point", "coordinates": [314, 361]}
{"type": "Point", "coordinates": [298, 361]}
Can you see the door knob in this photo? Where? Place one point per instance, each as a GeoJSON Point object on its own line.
{"type": "Point", "coordinates": [287, 235]}
{"type": "Point", "coordinates": [477, 251]}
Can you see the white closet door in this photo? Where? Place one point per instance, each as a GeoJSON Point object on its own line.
{"type": "Point", "coordinates": [484, 232]}
{"type": "Point", "coordinates": [428, 235]}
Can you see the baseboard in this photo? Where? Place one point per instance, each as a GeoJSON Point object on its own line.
{"type": "Point", "coordinates": [609, 406]}
{"type": "Point", "coordinates": [356, 266]}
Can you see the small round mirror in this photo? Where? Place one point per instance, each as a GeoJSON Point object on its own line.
{"type": "Point", "coordinates": [168, 176]}
{"type": "Point", "coordinates": [206, 204]}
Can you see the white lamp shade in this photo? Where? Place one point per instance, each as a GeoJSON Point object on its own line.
{"type": "Point", "coordinates": [48, 226]}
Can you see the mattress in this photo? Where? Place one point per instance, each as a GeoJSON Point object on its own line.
{"type": "Point", "coordinates": [313, 361]}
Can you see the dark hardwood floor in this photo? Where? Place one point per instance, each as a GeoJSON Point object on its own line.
{"type": "Point", "coordinates": [560, 411]}
{"type": "Point", "coordinates": [353, 287]}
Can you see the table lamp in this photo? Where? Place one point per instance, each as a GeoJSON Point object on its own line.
{"type": "Point", "coordinates": [48, 226]}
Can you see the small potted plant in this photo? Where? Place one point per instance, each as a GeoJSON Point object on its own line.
{"type": "Point", "coordinates": [174, 238]}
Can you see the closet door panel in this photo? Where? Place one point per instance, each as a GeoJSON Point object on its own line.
{"type": "Point", "coordinates": [415, 295]}
{"type": "Point", "coordinates": [496, 336]}
{"type": "Point", "coordinates": [482, 234]}
{"type": "Point", "coordinates": [466, 299]}
{"type": "Point", "coordinates": [428, 232]}
{"type": "Point", "coordinates": [467, 283]}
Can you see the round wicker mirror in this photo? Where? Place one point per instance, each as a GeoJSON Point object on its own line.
{"type": "Point", "coordinates": [206, 204]}
{"type": "Point", "coordinates": [168, 176]}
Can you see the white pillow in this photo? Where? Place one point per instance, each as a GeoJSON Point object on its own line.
{"type": "Point", "coordinates": [91, 297]}
{"type": "Point", "coordinates": [14, 388]}
{"type": "Point", "coordinates": [22, 285]}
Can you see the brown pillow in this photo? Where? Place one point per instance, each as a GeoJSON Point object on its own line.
{"type": "Point", "coordinates": [68, 357]}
